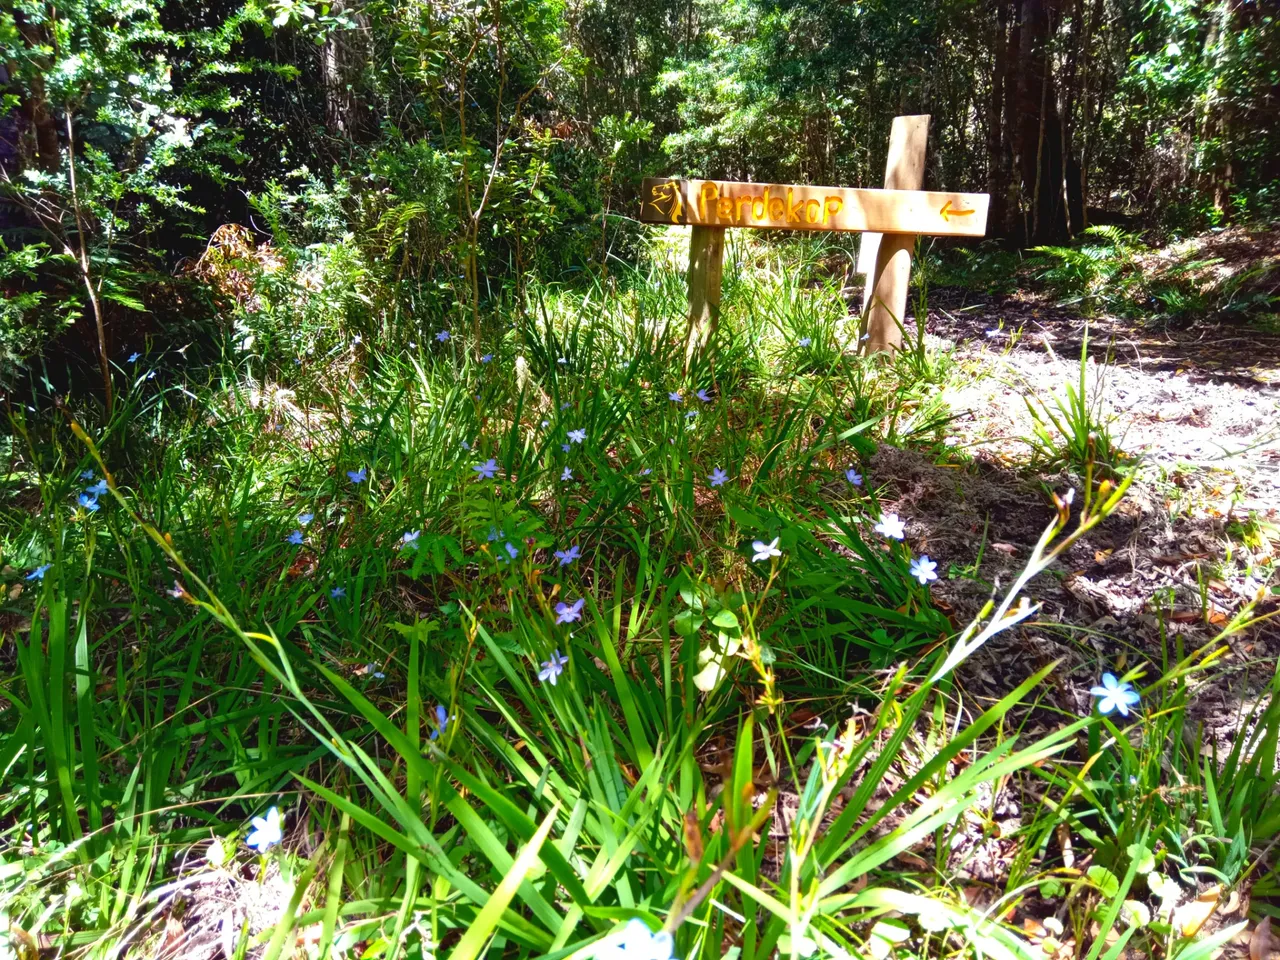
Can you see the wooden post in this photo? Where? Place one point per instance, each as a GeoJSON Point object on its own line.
{"type": "Point", "coordinates": [706, 262]}
{"type": "Point", "coordinates": [886, 259]}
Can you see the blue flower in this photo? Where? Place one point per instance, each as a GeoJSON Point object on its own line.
{"type": "Point", "coordinates": [86, 475]}
{"type": "Point", "coordinates": [410, 539]}
{"type": "Point", "coordinates": [853, 476]}
{"type": "Point", "coordinates": [512, 552]}
{"type": "Point", "coordinates": [551, 669]}
{"type": "Point", "coordinates": [442, 336]}
{"type": "Point", "coordinates": [567, 557]}
{"type": "Point", "coordinates": [1114, 695]}
{"type": "Point", "coordinates": [296, 538]}
{"type": "Point", "coordinates": [39, 572]}
{"type": "Point", "coordinates": [465, 445]}
{"type": "Point", "coordinates": [691, 414]}
{"type": "Point", "coordinates": [566, 405]}
{"type": "Point", "coordinates": [486, 358]}
{"type": "Point", "coordinates": [495, 534]}
{"type": "Point", "coordinates": [89, 502]}
{"type": "Point", "coordinates": [718, 477]}
{"type": "Point", "coordinates": [487, 470]}
{"type": "Point", "coordinates": [337, 593]}
{"type": "Point", "coordinates": [358, 476]}
{"type": "Point", "coordinates": [133, 357]}
{"type": "Point", "coordinates": [564, 447]}
{"type": "Point", "coordinates": [577, 436]}
{"type": "Point", "coordinates": [567, 474]}
{"type": "Point", "coordinates": [675, 397]}
{"type": "Point", "coordinates": [924, 569]}
{"type": "Point", "coordinates": [805, 341]}
{"type": "Point", "coordinates": [266, 831]}
{"type": "Point", "coordinates": [568, 612]}
{"type": "Point", "coordinates": [646, 471]}
{"type": "Point", "coordinates": [442, 721]}
{"type": "Point", "coordinates": [305, 518]}
{"type": "Point", "coordinates": [98, 489]}
{"type": "Point", "coordinates": [563, 360]}
{"type": "Point", "coordinates": [702, 395]}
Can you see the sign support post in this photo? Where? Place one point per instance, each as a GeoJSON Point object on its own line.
{"type": "Point", "coordinates": [706, 266]}
{"type": "Point", "coordinates": [886, 260]}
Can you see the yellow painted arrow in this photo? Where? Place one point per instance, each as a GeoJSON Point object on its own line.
{"type": "Point", "coordinates": [946, 208]}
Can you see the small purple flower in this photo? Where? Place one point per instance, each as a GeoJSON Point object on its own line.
{"type": "Point", "coordinates": [512, 552]}
{"type": "Point", "coordinates": [569, 612]}
{"type": "Point", "coordinates": [487, 358]}
{"type": "Point", "coordinates": [564, 447]}
{"type": "Point", "coordinates": [410, 539]}
{"type": "Point", "coordinates": [805, 341]}
{"type": "Point", "coordinates": [702, 395]}
{"type": "Point", "coordinates": [86, 475]}
{"type": "Point", "coordinates": [98, 489]}
{"type": "Point", "coordinates": [305, 518]}
{"type": "Point", "coordinates": [567, 474]}
{"type": "Point", "coordinates": [133, 357]}
{"type": "Point", "coordinates": [487, 470]}
{"type": "Point", "coordinates": [765, 551]}
{"type": "Point", "coordinates": [718, 477]}
{"type": "Point", "coordinates": [295, 538]}
{"type": "Point", "coordinates": [495, 534]}
{"type": "Point", "coordinates": [358, 476]}
{"type": "Point", "coordinates": [566, 405]}
{"type": "Point", "coordinates": [675, 397]}
{"type": "Point", "coordinates": [646, 471]}
{"type": "Point", "coordinates": [89, 503]}
{"type": "Point", "coordinates": [691, 414]}
{"type": "Point", "coordinates": [442, 721]}
{"type": "Point", "coordinates": [465, 445]}
{"type": "Point", "coordinates": [337, 593]}
{"type": "Point", "coordinates": [442, 336]}
{"type": "Point", "coordinates": [551, 669]}
{"type": "Point", "coordinates": [853, 476]}
{"type": "Point", "coordinates": [567, 557]}
{"type": "Point", "coordinates": [39, 572]}
{"type": "Point", "coordinates": [577, 436]}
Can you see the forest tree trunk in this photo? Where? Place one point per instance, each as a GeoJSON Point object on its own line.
{"type": "Point", "coordinates": [1039, 146]}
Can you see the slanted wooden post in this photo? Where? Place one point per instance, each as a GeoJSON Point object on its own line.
{"type": "Point", "coordinates": [886, 259]}
{"type": "Point", "coordinates": [706, 263]}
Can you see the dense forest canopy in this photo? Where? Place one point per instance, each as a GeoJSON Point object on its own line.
{"type": "Point", "coordinates": [402, 158]}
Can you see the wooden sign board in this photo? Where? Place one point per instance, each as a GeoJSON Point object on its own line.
{"type": "Point", "coordinates": [786, 206]}
{"type": "Point", "coordinates": [889, 219]}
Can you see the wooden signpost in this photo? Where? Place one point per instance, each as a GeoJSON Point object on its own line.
{"type": "Point", "coordinates": [900, 213]}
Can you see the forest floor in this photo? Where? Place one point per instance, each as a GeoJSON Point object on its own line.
{"type": "Point", "coordinates": [1199, 531]}
{"type": "Point", "coordinates": [1195, 540]}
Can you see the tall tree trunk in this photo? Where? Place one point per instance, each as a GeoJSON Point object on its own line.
{"type": "Point", "coordinates": [1039, 146]}
{"type": "Point", "coordinates": [341, 58]}
{"type": "Point", "coordinates": [997, 154]}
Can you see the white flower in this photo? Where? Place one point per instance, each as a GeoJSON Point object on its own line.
{"type": "Point", "coordinates": [1114, 695]}
{"type": "Point", "coordinates": [924, 569]}
{"type": "Point", "coordinates": [890, 526]}
{"type": "Point", "coordinates": [266, 831]}
{"type": "Point", "coordinates": [765, 550]}
{"type": "Point", "coordinates": [635, 941]}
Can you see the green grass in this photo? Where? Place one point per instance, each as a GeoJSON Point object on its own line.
{"type": "Point", "coordinates": [182, 666]}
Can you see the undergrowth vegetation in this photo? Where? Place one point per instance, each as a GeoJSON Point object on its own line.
{"type": "Point", "coordinates": [540, 644]}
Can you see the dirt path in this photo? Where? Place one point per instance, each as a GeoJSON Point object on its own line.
{"type": "Point", "coordinates": [1194, 541]}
